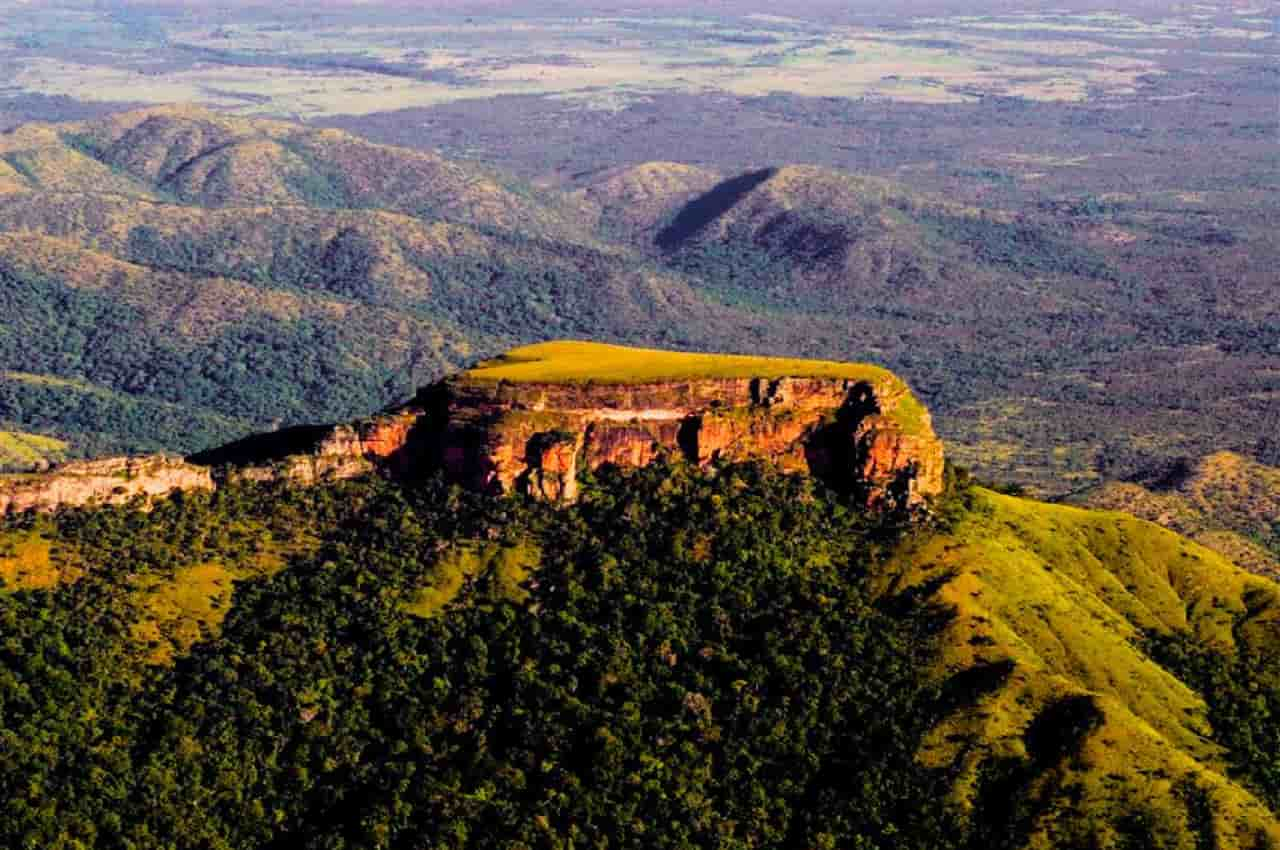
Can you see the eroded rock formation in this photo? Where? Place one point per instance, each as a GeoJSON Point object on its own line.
{"type": "Point", "coordinates": [107, 481]}
{"type": "Point", "coordinates": [536, 438]}
{"type": "Point", "coordinates": [314, 454]}
{"type": "Point", "coordinates": [869, 437]}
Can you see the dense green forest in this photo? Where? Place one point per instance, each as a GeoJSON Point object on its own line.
{"type": "Point", "coordinates": [683, 659]}
{"type": "Point", "coordinates": [82, 352]}
{"type": "Point", "coordinates": [695, 664]}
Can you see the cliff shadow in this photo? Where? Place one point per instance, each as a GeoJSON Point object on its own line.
{"type": "Point", "coordinates": [831, 452]}
{"type": "Point", "coordinates": [262, 449]}
{"type": "Point", "coordinates": [687, 438]}
{"type": "Point", "coordinates": [704, 209]}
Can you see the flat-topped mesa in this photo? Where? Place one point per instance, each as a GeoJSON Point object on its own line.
{"type": "Point", "coordinates": [533, 419]}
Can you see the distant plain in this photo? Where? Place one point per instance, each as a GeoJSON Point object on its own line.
{"type": "Point", "coordinates": [340, 64]}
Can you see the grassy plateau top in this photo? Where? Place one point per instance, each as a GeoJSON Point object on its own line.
{"type": "Point", "coordinates": [577, 362]}
{"type": "Point", "coordinates": [573, 362]}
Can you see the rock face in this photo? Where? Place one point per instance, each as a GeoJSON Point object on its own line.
{"type": "Point", "coordinates": [108, 481]}
{"type": "Point", "coordinates": [868, 436]}
{"type": "Point", "coordinates": [306, 456]}
{"type": "Point", "coordinates": [535, 438]}
{"type": "Point", "coordinates": [312, 455]}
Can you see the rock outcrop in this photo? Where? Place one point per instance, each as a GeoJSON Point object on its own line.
{"type": "Point", "coordinates": [315, 454]}
{"type": "Point", "coordinates": [857, 428]}
{"type": "Point", "coordinates": [107, 481]}
{"type": "Point", "coordinates": [537, 438]}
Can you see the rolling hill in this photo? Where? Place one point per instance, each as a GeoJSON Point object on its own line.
{"type": "Point", "coordinates": [178, 258]}
{"type": "Point", "coordinates": [1226, 502]}
{"type": "Point", "coordinates": [1060, 351]}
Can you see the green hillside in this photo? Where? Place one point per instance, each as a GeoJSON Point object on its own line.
{"type": "Point", "coordinates": [251, 274]}
{"type": "Point", "coordinates": [734, 658]}
{"type": "Point", "coordinates": [1226, 502]}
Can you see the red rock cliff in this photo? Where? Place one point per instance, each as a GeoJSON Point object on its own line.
{"type": "Point", "coordinates": [868, 436]}
{"type": "Point", "coordinates": [536, 438]}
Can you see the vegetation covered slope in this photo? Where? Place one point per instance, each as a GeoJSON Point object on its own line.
{"type": "Point", "coordinates": [1052, 607]}
{"type": "Point", "coordinates": [1226, 502]}
{"type": "Point", "coordinates": [734, 658]}
{"type": "Point", "coordinates": [795, 234]}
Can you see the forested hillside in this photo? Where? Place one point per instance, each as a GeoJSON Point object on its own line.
{"type": "Point", "coordinates": [174, 279]}
{"type": "Point", "coordinates": [685, 658]}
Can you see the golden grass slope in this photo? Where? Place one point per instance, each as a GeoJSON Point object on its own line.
{"type": "Point", "coordinates": [172, 610]}
{"type": "Point", "coordinates": [27, 562]}
{"type": "Point", "coordinates": [19, 450]}
{"type": "Point", "coordinates": [506, 565]}
{"type": "Point", "coordinates": [1050, 604]}
{"type": "Point", "coordinates": [156, 143]}
{"type": "Point", "coordinates": [1227, 502]}
{"type": "Point", "coordinates": [42, 157]}
{"type": "Point", "coordinates": [178, 610]}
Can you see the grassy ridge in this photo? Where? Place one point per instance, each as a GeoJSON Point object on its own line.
{"type": "Point", "coordinates": [1051, 606]}
{"type": "Point", "coordinates": [1225, 501]}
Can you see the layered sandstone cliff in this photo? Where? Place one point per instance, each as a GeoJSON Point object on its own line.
{"type": "Point", "coordinates": [537, 438]}
{"type": "Point", "coordinates": [108, 481]}
{"type": "Point", "coordinates": [534, 421]}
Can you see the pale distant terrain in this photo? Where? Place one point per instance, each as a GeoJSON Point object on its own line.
{"type": "Point", "coordinates": [355, 61]}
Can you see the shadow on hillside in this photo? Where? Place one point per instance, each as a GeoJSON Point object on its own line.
{"type": "Point", "coordinates": [1167, 476]}
{"type": "Point", "coordinates": [705, 209]}
{"type": "Point", "coordinates": [260, 449]}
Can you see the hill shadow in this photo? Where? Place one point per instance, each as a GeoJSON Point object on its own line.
{"type": "Point", "coordinates": [703, 210]}
{"type": "Point", "coordinates": [1167, 476]}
